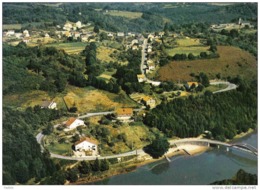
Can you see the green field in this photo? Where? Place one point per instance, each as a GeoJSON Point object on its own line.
{"type": "Point", "coordinates": [127, 14]}
{"type": "Point", "coordinates": [59, 148]}
{"type": "Point", "coordinates": [12, 26]}
{"type": "Point", "coordinates": [70, 48]}
{"type": "Point", "coordinates": [187, 45]}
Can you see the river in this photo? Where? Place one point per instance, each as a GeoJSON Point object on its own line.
{"type": "Point", "coordinates": [202, 169]}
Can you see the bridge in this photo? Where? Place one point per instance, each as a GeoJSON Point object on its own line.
{"type": "Point", "coordinates": [207, 142]}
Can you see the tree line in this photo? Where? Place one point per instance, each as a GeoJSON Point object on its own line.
{"type": "Point", "coordinates": [224, 114]}
{"type": "Point", "coordinates": [22, 156]}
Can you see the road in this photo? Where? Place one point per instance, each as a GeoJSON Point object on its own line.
{"type": "Point", "coordinates": [231, 86]}
{"type": "Point", "coordinates": [140, 152]}
{"type": "Point", "coordinates": [155, 83]}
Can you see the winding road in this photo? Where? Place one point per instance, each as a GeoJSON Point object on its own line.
{"type": "Point", "coordinates": [231, 86]}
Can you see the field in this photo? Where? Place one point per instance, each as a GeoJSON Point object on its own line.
{"type": "Point", "coordinates": [104, 52]}
{"type": "Point", "coordinates": [93, 100]}
{"type": "Point", "coordinates": [70, 48]}
{"type": "Point", "coordinates": [127, 14]}
{"type": "Point", "coordinates": [187, 45]}
{"type": "Point", "coordinates": [232, 62]}
{"type": "Point", "coordinates": [12, 26]}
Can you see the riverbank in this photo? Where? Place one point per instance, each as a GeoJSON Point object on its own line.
{"type": "Point", "coordinates": [144, 159]}
{"type": "Point", "coordinates": [141, 160]}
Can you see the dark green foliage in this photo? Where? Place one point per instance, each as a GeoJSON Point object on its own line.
{"type": "Point", "coordinates": [96, 29]}
{"type": "Point", "coordinates": [224, 114]}
{"type": "Point", "coordinates": [127, 75]}
{"type": "Point", "coordinates": [158, 147]}
{"type": "Point", "coordinates": [104, 165]}
{"type": "Point", "coordinates": [22, 158]}
{"type": "Point", "coordinates": [84, 167]}
{"type": "Point", "coordinates": [96, 165]}
{"type": "Point", "coordinates": [58, 178]}
{"type": "Point", "coordinates": [241, 178]}
{"type": "Point", "coordinates": [72, 175]}
{"type": "Point", "coordinates": [41, 68]}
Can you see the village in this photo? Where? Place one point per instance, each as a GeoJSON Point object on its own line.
{"type": "Point", "coordinates": [85, 144]}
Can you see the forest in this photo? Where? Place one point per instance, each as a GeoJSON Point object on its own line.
{"type": "Point", "coordinates": [224, 114]}
{"type": "Point", "coordinates": [153, 18]}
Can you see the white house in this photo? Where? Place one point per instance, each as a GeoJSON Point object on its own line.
{"type": "Point", "coordinates": [149, 101]}
{"type": "Point", "coordinates": [141, 78]}
{"type": "Point", "coordinates": [26, 33]}
{"type": "Point", "coordinates": [10, 33]}
{"type": "Point", "coordinates": [26, 40]}
{"type": "Point", "coordinates": [124, 113]}
{"type": "Point", "coordinates": [18, 35]}
{"type": "Point", "coordinates": [73, 123]}
{"type": "Point", "coordinates": [49, 104]}
{"type": "Point", "coordinates": [78, 24]}
{"type": "Point", "coordinates": [46, 35]}
{"type": "Point", "coordinates": [86, 144]}
{"type": "Point", "coordinates": [120, 34]}
{"type": "Point", "coordinates": [151, 65]}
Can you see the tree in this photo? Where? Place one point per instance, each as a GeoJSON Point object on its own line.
{"type": "Point", "coordinates": [203, 78]}
{"type": "Point", "coordinates": [96, 29]}
{"type": "Point", "coordinates": [84, 167]}
{"type": "Point", "coordinates": [104, 165]}
{"type": "Point", "coordinates": [96, 165]}
{"type": "Point", "coordinates": [191, 56]}
{"type": "Point", "coordinates": [21, 171]}
{"type": "Point", "coordinates": [158, 147]}
{"type": "Point", "coordinates": [72, 175]}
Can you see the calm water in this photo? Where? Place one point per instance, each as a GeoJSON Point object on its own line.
{"type": "Point", "coordinates": [202, 169]}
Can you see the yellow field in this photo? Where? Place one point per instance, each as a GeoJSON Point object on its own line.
{"type": "Point", "coordinates": [104, 52]}
{"type": "Point", "coordinates": [30, 99]}
{"type": "Point", "coordinates": [12, 26]}
{"type": "Point", "coordinates": [94, 100]}
{"type": "Point", "coordinates": [188, 42]}
{"type": "Point", "coordinates": [127, 14]}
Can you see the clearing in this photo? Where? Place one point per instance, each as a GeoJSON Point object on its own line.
{"type": "Point", "coordinates": [94, 100]}
{"type": "Point", "coordinates": [232, 62]}
{"type": "Point", "coordinates": [127, 14]}
{"type": "Point", "coordinates": [187, 45]}
{"type": "Point", "coordinates": [69, 48]}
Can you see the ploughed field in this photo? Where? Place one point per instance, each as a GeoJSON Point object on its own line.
{"type": "Point", "coordinates": [233, 61]}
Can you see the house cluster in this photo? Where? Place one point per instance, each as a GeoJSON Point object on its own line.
{"type": "Point", "coordinates": [239, 24]}
{"type": "Point", "coordinates": [11, 34]}
{"type": "Point", "coordinates": [149, 101]}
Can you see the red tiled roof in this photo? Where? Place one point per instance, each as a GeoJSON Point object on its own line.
{"type": "Point", "coordinates": [70, 121]}
{"type": "Point", "coordinates": [93, 141]}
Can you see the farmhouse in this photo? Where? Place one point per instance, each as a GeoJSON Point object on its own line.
{"type": "Point", "coordinates": [120, 34]}
{"type": "Point", "coordinates": [149, 101]}
{"type": "Point", "coordinates": [73, 123]}
{"type": "Point", "coordinates": [10, 33]}
{"type": "Point", "coordinates": [86, 144]}
{"type": "Point", "coordinates": [78, 24]}
{"type": "Point", "coordinates": [189, 84]}
{"type": "Point", "coordinates": [26, 33]}
{"type": "Point", "coordinates": [141, 78]}
{"type": "Point", "coordinates": [49, 104]}
{"type": "Point", "coordinates": [151, 65]}
{"type": "Point", "coordinates": [26, 40]}
{"type": "Point", "coordinates": [124, 113]}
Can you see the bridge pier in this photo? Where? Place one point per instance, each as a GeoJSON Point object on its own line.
{"type": "Point", "coordinates": [227, 149]}
{"type": "Point", "coordinates": [218, 146]}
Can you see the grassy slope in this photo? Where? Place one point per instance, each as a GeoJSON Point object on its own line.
{"type": "Point", "coordinates": [232, 62]}
{"type": "Point", "coordinates": [126, 14]}
{"type": "Point", "coordinates": [70, 48]}
{"type": "Point", "coordinates": [188, 45]}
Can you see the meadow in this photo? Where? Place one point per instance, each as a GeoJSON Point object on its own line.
{"type": "Point", "coordinates": [126, 14]}
{"type": "Point", "coordinates": [70, 48]}
{"type": "Point", "coordinates": [186, 46]}
{"type": "Point", "coordinates": [232, 62]}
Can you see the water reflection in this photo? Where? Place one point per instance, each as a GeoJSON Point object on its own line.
{"type": "Point", "coordinates": [159, 169]}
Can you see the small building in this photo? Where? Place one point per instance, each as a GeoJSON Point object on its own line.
{"type": "Point", "coordinates": [141, 78]}
{"type": "Point", "coordinates": [86, 144]}
{"type": "Point", "coordinates": [151, 37]}
{"type": "Point", "coordinates": [149, 101]}
{"type": "Point", "coordinates": [150, 65]}
{"type": "Point", "coordinates": [134, 47]}
{"type": "Point", "coordinates": [26, 40]}
{"type": "Point", "coordinates": [73, 123]}
{"type": "Point", "coordinates": [78, 24]}
{"type": "Point", "coordinates": [10, 33]}
{"type": "Point", "coordinates": [26, 33]}
{"type": "Point", "coordinates": [124, 113]}
{"type": "Point", "coordinates": [46, 35]}
{"type": "Point", "coordinates": [110, 35]}
{"type": "Point", "coordinates": [134, 42]}
{"type": "Point", "coordinates": [189, 84]}
{"type": "Point", "coordinates": [18, 35]}
{"type": "Point", "coordinates": [120, 34]}
{"type": "Point", "coordinates": [49, 104]}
